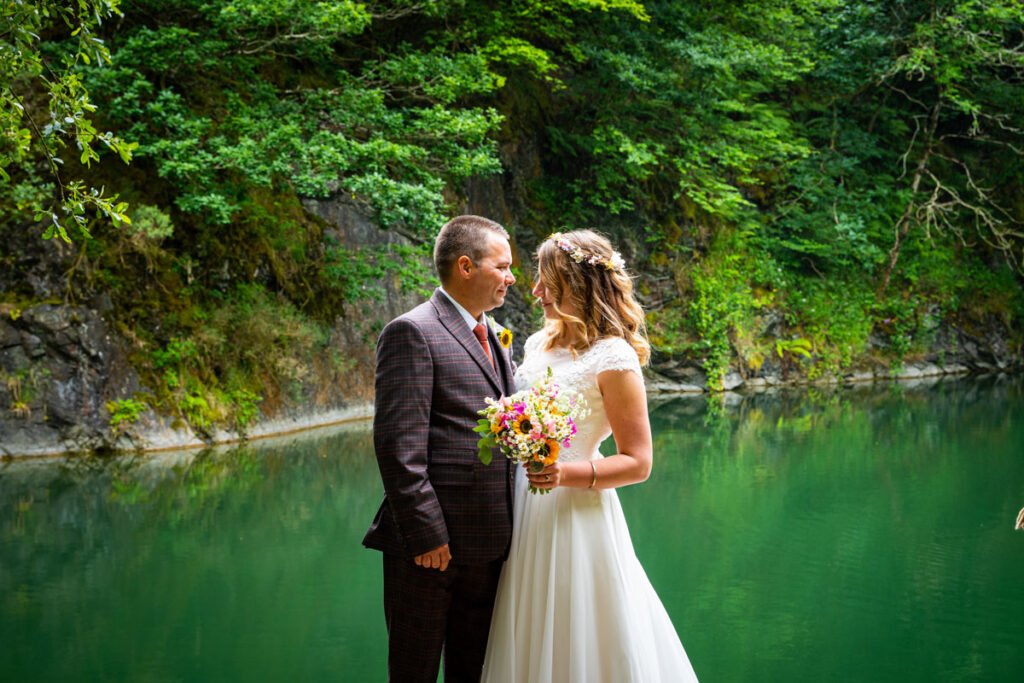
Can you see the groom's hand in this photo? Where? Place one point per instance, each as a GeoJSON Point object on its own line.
{"type": "Point", "coordinates": [438, 558]}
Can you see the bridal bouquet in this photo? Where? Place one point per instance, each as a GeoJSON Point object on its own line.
{"type": "Point", "coordinates": [531, 426]}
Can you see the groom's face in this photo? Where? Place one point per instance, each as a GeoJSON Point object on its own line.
{"type": "Point", "coordinates": [492, 276]}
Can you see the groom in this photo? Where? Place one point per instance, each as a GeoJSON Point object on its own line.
{"type": "Point", "coordinates": [446, 521]}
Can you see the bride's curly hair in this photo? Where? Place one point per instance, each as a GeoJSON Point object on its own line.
{"type": "Point", "coordinates": [581, 267]}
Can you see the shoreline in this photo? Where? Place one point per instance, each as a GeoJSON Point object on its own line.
{"type": "Point", "coordinates": [913, 371]}
{"type": "Point", "coordinates": [158, 436]}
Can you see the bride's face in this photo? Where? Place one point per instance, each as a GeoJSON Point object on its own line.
{"type": "Point", "coordinates": [545, 297]}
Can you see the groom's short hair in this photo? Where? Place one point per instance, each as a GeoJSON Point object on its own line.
{"type": "Point", "coordinates": [463, 235]}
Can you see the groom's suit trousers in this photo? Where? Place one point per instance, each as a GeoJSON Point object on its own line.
{"type": "Point", "coordinates": [428, 610]}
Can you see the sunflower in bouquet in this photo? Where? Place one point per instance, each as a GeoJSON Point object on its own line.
{"type": "Point", "coordinates": [531, 426]}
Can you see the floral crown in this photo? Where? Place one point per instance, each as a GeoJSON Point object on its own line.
{"type": "Point", "coordinates": [577, 254]}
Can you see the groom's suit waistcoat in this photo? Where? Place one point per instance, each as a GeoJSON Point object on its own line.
{"type": "Point", "coordinates": [432, 378]}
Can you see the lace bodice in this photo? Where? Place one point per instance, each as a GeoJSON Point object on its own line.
{"type": "Point", "coordinates": [579, 374]}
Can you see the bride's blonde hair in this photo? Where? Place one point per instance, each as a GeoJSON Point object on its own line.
{"type": "Point", "coordinates": [581, 267]}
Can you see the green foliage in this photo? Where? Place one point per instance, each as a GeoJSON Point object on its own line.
{"type": "Point", "coordinates": [175, 354]}
{"type": "Point", "coordinates": [797, 347]}
{"type": "Point", "coordinates": [351, 275]}
{"type": "Point", "coordinates": [45, 105]}
{"type": "Point", "coordinates": [487, 442]}
{"type": "Point", "coordinates": [249, 345]}
{"type": "Point", "coordinates": [219, 125]}
{"type": "Point", "coordinates": [151, 223]}
{"type": "Point", "coordinates": [836, 315]}
{"type": "Point", "coordinates": [125, 412]}
{"type": "Point", "coordinates": [359, 275]}
{"type": "Point", "coordinates": [196, 410]}
{"type": "Point", "coordinates": [694, 93]}
{"type": "Point", "coordinates": [721, 309]}
{"type": "Point", "coordinates": [291, 21]}
{"type": "Point", "coordinates": [23, 388]}
{"type": "Point", "coordinates": [246, 407]}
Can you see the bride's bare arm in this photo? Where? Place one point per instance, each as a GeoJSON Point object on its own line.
{"type": "Point", "coordinates": [625, 403]}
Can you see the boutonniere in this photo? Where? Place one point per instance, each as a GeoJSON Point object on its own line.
{"type": "Point", "coordinates": [503, 334]}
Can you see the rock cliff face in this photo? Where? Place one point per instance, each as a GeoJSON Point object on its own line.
{"type": "Point", "coordinates": [350, 226]}
{"type": "Point", "coordinates": [60, 365]}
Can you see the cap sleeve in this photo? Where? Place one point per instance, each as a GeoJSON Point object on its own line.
{"type": "Point", "coordinates": [615, 353]}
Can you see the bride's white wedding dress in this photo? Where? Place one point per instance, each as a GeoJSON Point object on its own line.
{"type": "Point", "coordinates": [573, 603]}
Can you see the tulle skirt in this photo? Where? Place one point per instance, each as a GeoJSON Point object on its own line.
{"type": "Point", "coordinates": [573, 602]}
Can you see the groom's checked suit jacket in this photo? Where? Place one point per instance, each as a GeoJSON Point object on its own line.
{"type": "Point", "coordinates": [432, 378]}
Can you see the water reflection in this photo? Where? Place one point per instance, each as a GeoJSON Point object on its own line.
{"type": "Point", "coordinates": [240, 564]}
{"type": "Point", "coordinates": [843, 534]}
{"type": "Point", "coordinates": [854, 534]}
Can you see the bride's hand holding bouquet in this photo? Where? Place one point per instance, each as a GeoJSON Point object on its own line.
{"type": "Point", "coordinates": [531, 426]}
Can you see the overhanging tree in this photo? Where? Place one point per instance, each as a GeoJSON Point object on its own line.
{"type": "Point", "coordinates": [46, 115]}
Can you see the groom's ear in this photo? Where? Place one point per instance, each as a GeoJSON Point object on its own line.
{"type": "Point", "coordinates": [464, 266]}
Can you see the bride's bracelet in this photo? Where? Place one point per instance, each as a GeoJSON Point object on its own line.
{"type": "Point", "coordinates": [593, 481]}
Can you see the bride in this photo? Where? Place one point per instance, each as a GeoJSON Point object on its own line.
{"type": "Point", "coordinates": [573, 602]}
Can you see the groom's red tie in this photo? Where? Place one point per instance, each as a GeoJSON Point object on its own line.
{"type": "Point", "coordinates": [481, 334]}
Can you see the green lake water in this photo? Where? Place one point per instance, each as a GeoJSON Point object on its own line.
{"type": "Point", "coordinates": [852, 535]}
